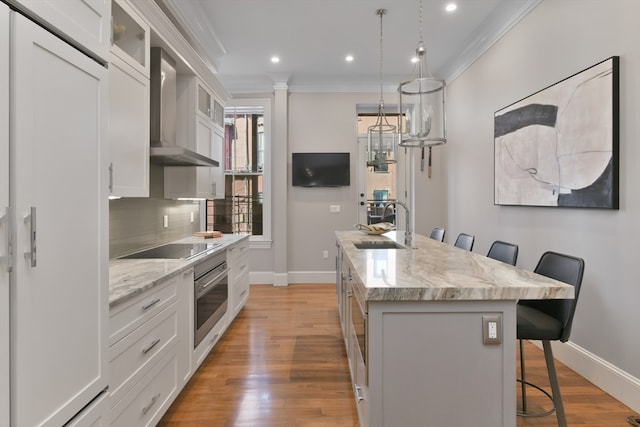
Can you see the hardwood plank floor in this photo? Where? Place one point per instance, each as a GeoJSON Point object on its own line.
{"type": "Point", "coordinates": [283, 363]}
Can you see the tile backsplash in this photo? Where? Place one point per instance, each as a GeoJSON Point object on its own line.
{"type": "Point", "coordinates": [138, 223]}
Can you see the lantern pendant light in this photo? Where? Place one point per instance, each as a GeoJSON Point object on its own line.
{"type": "Point", "coordinates": [422, 103]}
{"type": "Point", "coordinates": [382, 137]}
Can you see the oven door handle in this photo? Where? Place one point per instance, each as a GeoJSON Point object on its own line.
{"type": "Point", "coordinates": [201, 289]}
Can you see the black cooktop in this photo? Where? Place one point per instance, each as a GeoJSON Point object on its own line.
{"type": "Point", "coordinates": [173, 251]}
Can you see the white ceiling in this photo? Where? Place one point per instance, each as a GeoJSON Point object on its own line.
{"type": "Point", "coordinates": [237, 38]}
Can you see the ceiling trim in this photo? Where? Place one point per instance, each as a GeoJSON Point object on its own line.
{"type": "Point", "coordinates": [170, 37]}
{"type": "Point", "coordinates": [202, 35]}
{"type": "Point", "coordinates": [507, 16]}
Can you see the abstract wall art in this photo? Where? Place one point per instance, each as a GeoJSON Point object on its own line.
{"type": "Point", "coordinates": [559, 146]}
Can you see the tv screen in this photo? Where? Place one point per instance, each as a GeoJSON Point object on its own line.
{"type": "Point", "coordinates": [320, 169]}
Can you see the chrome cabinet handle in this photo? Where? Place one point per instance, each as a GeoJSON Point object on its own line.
{"type": "Point", "coordinates": [8, 249]}
{"type": "Point", "coordinates": [153, 344]}
{"type": "Point", "coordinates": [359, 397]}
{"type": "Point", "coordinates": [154, 399]}
{"type": "Point", "coordinates": [31, 219]}
{"type": "Point", "coordinates": [110, 176]}
{"type": "Point", "coordinates": [151, 304]}
{"type": "Point", "coordinates": [214, 338]}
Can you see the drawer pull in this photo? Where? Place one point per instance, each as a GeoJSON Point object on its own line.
{"type": "Point", "coordinates": [359, 397]}
{"type": "Point", "coordinates": [214, 338]}
{"type": "Point", "coordinates": [153, 344]}
{"type": "Point", "coordinates": [154, 399]}
{"type": "Point", "coordinates": [151, 304]}
{"type": "Point", "coordinates": [243, 293]}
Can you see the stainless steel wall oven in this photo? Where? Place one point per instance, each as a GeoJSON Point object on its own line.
{"type": "Point", "coordinates": [211, 292]}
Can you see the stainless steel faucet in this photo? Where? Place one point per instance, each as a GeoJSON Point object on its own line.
{"type": "Point", "coordinates": [408, 233]}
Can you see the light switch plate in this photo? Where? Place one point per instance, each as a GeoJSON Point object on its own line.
{"type": "Point", "coordinates": [491, 329]}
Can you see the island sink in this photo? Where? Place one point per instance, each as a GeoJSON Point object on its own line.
{"type": "Point", "coordinates": [378, 244]}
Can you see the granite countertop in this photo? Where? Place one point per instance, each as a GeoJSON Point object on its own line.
{"type": "Point", "coordinates": [432, 270]}
{"type": "Point", "coordinates": [131, 277]}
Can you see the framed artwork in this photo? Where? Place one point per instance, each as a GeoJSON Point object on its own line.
{"type": "Point", "coordinates": [559, 146]}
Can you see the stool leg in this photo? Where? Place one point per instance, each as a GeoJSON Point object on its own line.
{"type": "Point", "coordinates": [553, 380]}
{"type": "Point", "coordinates": [523, 386]}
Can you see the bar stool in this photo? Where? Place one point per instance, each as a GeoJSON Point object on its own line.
{"type": "Point", "coordinates": [549, 320]}
{"type": "Point", "coordinates": [437, 234]}
{"type": "Point", "coordinates": [464, 241]}
{"type": "Point", "coordinates": [504, 251]}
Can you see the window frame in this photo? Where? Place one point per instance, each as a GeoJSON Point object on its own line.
{"type": "Point", "coordinates": [263, 241]}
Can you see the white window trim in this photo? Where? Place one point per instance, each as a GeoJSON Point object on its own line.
{"type": "Point", "coordinates": [263, 241]}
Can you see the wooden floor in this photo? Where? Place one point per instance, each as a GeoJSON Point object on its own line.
{"type": "Point", "coordinates": [283, 363]}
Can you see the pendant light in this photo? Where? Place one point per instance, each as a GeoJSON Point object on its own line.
{"type": "Point", "coordinates": [422, 103]}
{"type": "Point", "coordinates": [382, 137]}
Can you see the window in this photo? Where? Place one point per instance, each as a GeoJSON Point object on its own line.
{"type": "Point", "coordinates": [245, 208]}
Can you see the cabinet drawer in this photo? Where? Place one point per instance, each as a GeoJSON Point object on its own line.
{"type": "Point", "coordinates": [138, 350]}
{"type": "Point", "coordinates": [240, 287]}
{"type": "Point", "coordinates": [238, 255]}
{"type": "Point", "coordinates": [150, 398]}
{"type": "Point", "coordinates": [130, 315]}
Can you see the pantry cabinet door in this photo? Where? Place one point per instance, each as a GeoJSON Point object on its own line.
{"type": "Point", "coordinates": [86, 23]}
{"type": "Point", "coordinates": [59, 192]}
{"type": "Point", "coordinates": [4, 204]}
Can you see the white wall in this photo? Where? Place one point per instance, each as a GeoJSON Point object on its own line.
{"type": "Point", "coordinates": [556, 40]}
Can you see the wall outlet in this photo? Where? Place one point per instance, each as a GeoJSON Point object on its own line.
{"type": "Point", "coordinates": [334, 208]}
{"type": "Point", "coordinates": [325, 254]}
{"type": "Point", "coordinates": [491, 329]}
{"type": "Point", "coordinates": [165, 221]}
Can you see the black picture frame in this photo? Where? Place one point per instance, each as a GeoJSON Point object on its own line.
{"type": "Point", "coordinates": [560, 146]}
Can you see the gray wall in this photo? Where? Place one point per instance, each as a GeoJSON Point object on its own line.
{"type": "Point", "coordinates": [556, 40]}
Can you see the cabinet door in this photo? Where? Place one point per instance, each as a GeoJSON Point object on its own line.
{"type": "Point", "coordinates": [87, 23]}
{"type": "Point", "coordinates": [130, 38]}
{"type": "Point", "coordinates": [204, 139]}
{"type": "Point", "coordinates": [4, 204]}
{"type": "Point", "coordinates": [59, 298]}
{"type": "Point", "coordinates": [128, 130]}
{"type": "Point", "coordinates": [217, 153]}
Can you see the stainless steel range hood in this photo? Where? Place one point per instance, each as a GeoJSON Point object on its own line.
{"type": "Point", "coordinates": [165, 150]}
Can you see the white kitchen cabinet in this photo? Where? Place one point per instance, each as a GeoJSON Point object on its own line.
{"type": "Point", "coordinates": [4, 215]}
{"type": "Point", "coordinates": [95, 415]}
{"type": "Point", "coordinates": [217, 152]}
{"type": "Point", "coordinates": [128, 130]}
{"type": "Point", "coordinates": [85, 23]}
{"type": "Point", "coordinates": [150, 344]}
{"type": "Point", "coordinates": [193, 181]}
{"type": "Point", "coordinates": [129, 92]}
{"type": "Point", "coordinates": [59, 281]}
{"type": "Point", "coordinates": [130, 37]}
{"type": "Point", "coordinates": [238, 260]}
{"type": "Point", "coordinates": [198, 132]}
{"type": "Point", "coordinates": [185, 327]}
{"type": "Point", "coordinates": [145, 404]}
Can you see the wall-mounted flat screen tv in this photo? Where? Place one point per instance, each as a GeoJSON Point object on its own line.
{"type": "Point", "coordinates": [320, 169]}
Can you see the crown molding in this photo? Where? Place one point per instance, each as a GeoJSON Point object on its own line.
{"type": "Point", "coordinates": [165, 34]}
{"type": "Point", "coordinates": [507, 16]}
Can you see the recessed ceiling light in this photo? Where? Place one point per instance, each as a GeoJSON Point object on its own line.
{"type": "Point", "coordinates": [275, 59]}
{"type": "Point", "coordinates": [451, 7]}
{"type": "Point", "coordinates": [348, 58]}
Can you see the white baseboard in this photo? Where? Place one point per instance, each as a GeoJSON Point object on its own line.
{"type": "Point", "coordinates": [613, 380]}
{"type": "Point", "coordinates": [271, 278]}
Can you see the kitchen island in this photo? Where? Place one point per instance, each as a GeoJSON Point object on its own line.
{"type": "Point", "coordinates": [431, 330]}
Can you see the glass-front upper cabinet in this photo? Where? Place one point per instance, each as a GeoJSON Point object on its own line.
{"type": "Point", "coordinates": [130, 36]}
{"type": "Point", "coordinates": [204, 102]}
{"type": "Point", "coordinates": [218, 113]}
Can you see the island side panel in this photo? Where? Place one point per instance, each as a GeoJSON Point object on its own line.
{"type": "Point", "coordinates": [428, 365]}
